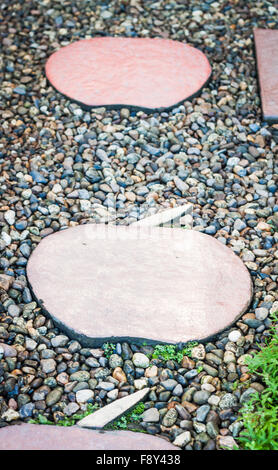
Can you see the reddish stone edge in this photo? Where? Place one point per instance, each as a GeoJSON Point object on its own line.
{"type": "Point", "coordinates": [268, 118]}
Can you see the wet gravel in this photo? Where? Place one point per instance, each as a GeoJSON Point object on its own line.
{"type": "Point", "coordinates": [61, 166]}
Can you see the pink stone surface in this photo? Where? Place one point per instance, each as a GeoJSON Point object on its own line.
{"type": "Point", "coordinates": [148, 73]}
{"type": "Point", "coordinates": [266, 41]}
{"type": "Point", "coordinates": [44, 437]}
{"type": "Point", "coordinates": [102, 282]}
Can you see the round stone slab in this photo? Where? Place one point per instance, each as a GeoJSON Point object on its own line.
{"type": "Point", "coordinates": [138, 72]}
{"type": "Point", "coordinates": [45, 437]}
{"type": "Point", "coordinates": [102, 283]}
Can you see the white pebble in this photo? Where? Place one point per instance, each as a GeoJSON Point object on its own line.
{"type": "Point", "coordinates": [234, 336]}
{"type": "Point", "coordinates": [182, 439]}
{"type": "Point", "coordinates": [10, 217]}
{"type": "Point", "coordinates": [82, 396]}
{"type": "Point", "coordinates": [213, 400]}
{"type": "Point", "coordinates": [261, 313]}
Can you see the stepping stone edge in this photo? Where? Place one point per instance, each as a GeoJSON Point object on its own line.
{"type": "Point", "coordinates": [134, 108]}
{"type": "Point", "coordinates": [89, 342]}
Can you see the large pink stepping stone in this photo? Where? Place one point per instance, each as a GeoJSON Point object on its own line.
{"type": "Point", "coordinates": [103, 283]}
{"type": "Point", "coordinates": [266, 41]}
{"type": "Point", "coordinates": [147, 73]}
{"type": "Point", "coordinates": [45, 437]}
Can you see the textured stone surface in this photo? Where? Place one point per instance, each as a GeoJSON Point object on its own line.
{"type": "Point", "coordinates": [141, 72]}
{"type": "Point", "coordinates": [266, 41]}
{"type": "Point", "coordinates": [114, 410]}
{"type": "Point", "coordinates": [43, 437]}
{"type": "Point", "coordinates": [104, 283]}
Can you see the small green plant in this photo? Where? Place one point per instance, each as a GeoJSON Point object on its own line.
{"type": "Point", "coordinates": [139, 409]}
{"type": "Point", "coordinates": [200, 369]}
{"type": "Point", "coordinates": [235, 385]}
{"type": "Point", "coordinates": [41, 419]}
{"type": "Point", "coordinates": [168, 352]}
{"type": "Point", "coordinates": [273, 226]}
{"type": "Point", "coordinates": [259, 414]}
{"type": "Point", "coordinates": [67, 421]}
{"type": "Point", "coordinates": [109, 349]}
{"type": "Point", "coordinates": [128, 418]}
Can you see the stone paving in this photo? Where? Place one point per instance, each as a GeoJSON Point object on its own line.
{"type": "Point", "coordinates": [103, 283]}
{"type": "Point", "coordinates": [266, 41]}
{"type": "Point", "coordinates": [124, 71]}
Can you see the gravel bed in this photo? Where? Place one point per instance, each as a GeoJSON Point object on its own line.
{"type": "Point", "coordinates": [61, 166]}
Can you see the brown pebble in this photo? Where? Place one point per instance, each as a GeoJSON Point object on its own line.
{"type": "Point", "coordinates": [16, 372]}
{"type": "Point", "coordinates": [40, 405]}
{"type": "Point", "coordinates": [190, 407]}
{"type": "Point", "coordinates": [187, 363]}
{"type": "Point", "coordinates": [257, 386]}
{"type": "Point", "coordinates": [248, 316]}
{"type": "Point", "coordinates": [244, 377]}
{"type": "Point", "coordinates": [172, 404]}
{"type": "Point", "coordinates": [36, 382]}
{"type": "Point", "coordinates": [224, 432]}
{"type": "Point", "coordinates": [119, 374]}
{"type": "Point", "coordinates": [5, 281]}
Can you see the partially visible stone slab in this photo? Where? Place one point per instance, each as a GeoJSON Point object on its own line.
{"type": "Point", "coordinates": [44, 437]}
{"type": "Point", "coordinates": [266, 42]}
{"type": "Point", "coordinates": [113, 411]}
{"type": "Point", "coordinates": [111, 283]}
{"type": "Point", "coordinates": [165, 216]}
